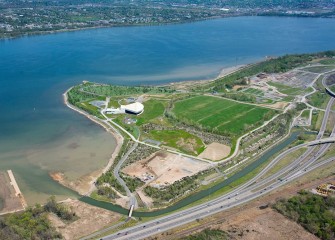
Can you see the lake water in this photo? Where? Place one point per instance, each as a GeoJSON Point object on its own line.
{"type": "Point", "coordinates": [38, 134]}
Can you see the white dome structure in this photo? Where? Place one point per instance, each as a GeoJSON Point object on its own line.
{"type": "Point", "coordinates": [133, 108]}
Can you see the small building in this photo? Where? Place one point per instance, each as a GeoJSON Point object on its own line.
{"type": "Point", "coordinates": [114, 111]}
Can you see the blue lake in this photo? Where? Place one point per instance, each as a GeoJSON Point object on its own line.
{"type": "Point", "coordinates": [39, 135]}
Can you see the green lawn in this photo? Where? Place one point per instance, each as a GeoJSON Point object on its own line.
{"type": "Point", "coordinates": [152, 109]}
{"type": "Point", "coordinates": [180, 140]}
{"type": "Point", "coordinates": [254, 91]}
{"type": "Point", "coordinates": [286, 89]}
{"type": "Point", "coordinates": [113, 102]}
{"type": "Point", "coordinates": [319, 69]}
{"type": "Point", "coordinates": [305, 114]}
{"type": "Point", "coordinates": [327, 61]}
{"type": "Point", "coordinates": [224, 116]}
{"type": "Point", "coordinates": [319, 99]}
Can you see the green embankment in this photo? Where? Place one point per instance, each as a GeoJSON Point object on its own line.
{"type": "Point", "coordinates": [208, 234]}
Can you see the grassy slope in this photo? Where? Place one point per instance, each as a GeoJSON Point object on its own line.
{"type": "Point", "coordinates": [175, 138]}
{"type": "Point", "coordinates": [285, 89]}
{"type": "Point", "coordinates": [152, 109]}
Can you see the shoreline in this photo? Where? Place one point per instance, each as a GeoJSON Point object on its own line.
{"type": "Point", "coordinates": [92, 176]}
{"type": "Point", "coordinates": [56, 31]}
{"type": "Point", "coordinates": [37, 33]}
{"type": "Point", "coordinates": [225, 71]}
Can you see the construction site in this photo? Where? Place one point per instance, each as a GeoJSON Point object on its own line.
{"type": "Point", "coordinates": [163, 168]}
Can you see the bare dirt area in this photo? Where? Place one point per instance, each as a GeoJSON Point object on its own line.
{"type": "Point", "coordinates": [82, 185]}
{"type": "Point", "coordinates": [215, 151]}
{"type": "Point", "coordinates": [9, 201]}
{"type": "Point", "coordinates": [91, 219]}
{"type": "Point", "coordinates": [249, 222]}
{"type": "Point", "coordinates": [148, 201]}
{"type": "Point", "coordinates": [264, 224]}
{"type": "Point", "coordinates": [166, 168]}
{"type": "Point", "coordinates": [279, 105]}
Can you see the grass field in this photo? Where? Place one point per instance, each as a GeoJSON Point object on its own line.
{"type": "Point", "coordinates": [180, 140]}
{"type": "Point", "coordinates": [319, 99]}
{"type": "Point", "coordinates": [113, 102]}
{"type": "Point", "coordinates": [286, 89]}
{"type": "Point", "coordinates": [225, 116]}
{"type": "Point", "coordinates": [253, 91]}
{"type": "Point", "coordinates": [327, 61]}
{"type": "Point", "coordinates": [319, 69]}
{"type": "Point", "coordinates": [305, 114]}
{"type": "Point", "coordinates": [152, 109]}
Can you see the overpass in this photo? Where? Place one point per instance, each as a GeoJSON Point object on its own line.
{"type": "Point", "coordinates": [321, 141]}
{"type": "Point", "coordinates": [330, 92]}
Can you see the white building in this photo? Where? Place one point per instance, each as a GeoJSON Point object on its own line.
{"type": "Point", "coordinates": [133, 108]}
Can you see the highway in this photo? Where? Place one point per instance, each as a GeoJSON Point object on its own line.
{"type": "Point", "coordinates": [254, 188]}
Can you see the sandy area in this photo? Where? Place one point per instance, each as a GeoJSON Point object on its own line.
{"type": "Point", "coordinates": [229, 70]}
{"type": "Point", "coordinates": [165, 167]}
{"type": "Point", "coordinates": [10, 201]}
{"type": "Point", "coordinates": [83, 185]}
{"type": "Point", "coordinates": [91, 219]}
{"type": "Point", "coordinates": [189, 84]}
{"type": "Point", "coordinates": [215, 151]}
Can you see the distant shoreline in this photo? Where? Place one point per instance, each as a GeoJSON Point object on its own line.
{"type": "Point", "coordinates": [40, 33]}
